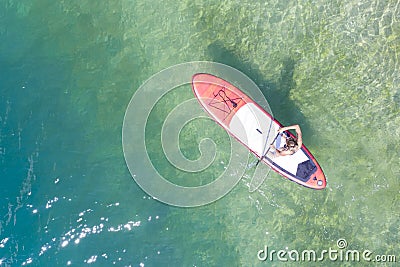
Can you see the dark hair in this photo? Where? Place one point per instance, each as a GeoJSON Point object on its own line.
{"type": "Point", "coordinates": [291, 143]}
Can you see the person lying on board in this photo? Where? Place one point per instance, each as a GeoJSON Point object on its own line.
{"type": "Point", "coordinates": [292, 144]}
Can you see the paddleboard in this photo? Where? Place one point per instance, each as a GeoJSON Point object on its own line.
{"type": "Point", "coordinates": [255, 128]}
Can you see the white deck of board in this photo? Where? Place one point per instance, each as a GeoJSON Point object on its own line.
{"type": "Point", "coordinates": [244, 125]}
{"type": "Point", "coordinates": [290, 162]}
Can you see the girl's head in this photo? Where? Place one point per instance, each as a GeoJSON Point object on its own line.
{"type": "Point", "coordinates": [291, 143]}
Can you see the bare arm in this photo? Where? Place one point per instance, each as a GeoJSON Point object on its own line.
{"type": "Point", "coordinates": [284, 152]}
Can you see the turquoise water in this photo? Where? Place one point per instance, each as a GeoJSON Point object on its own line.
{"type": "Point", "coordinates": [68, 70]}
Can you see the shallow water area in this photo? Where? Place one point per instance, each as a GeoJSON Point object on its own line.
{"type": "Point", "coordinates": [69, 69]}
